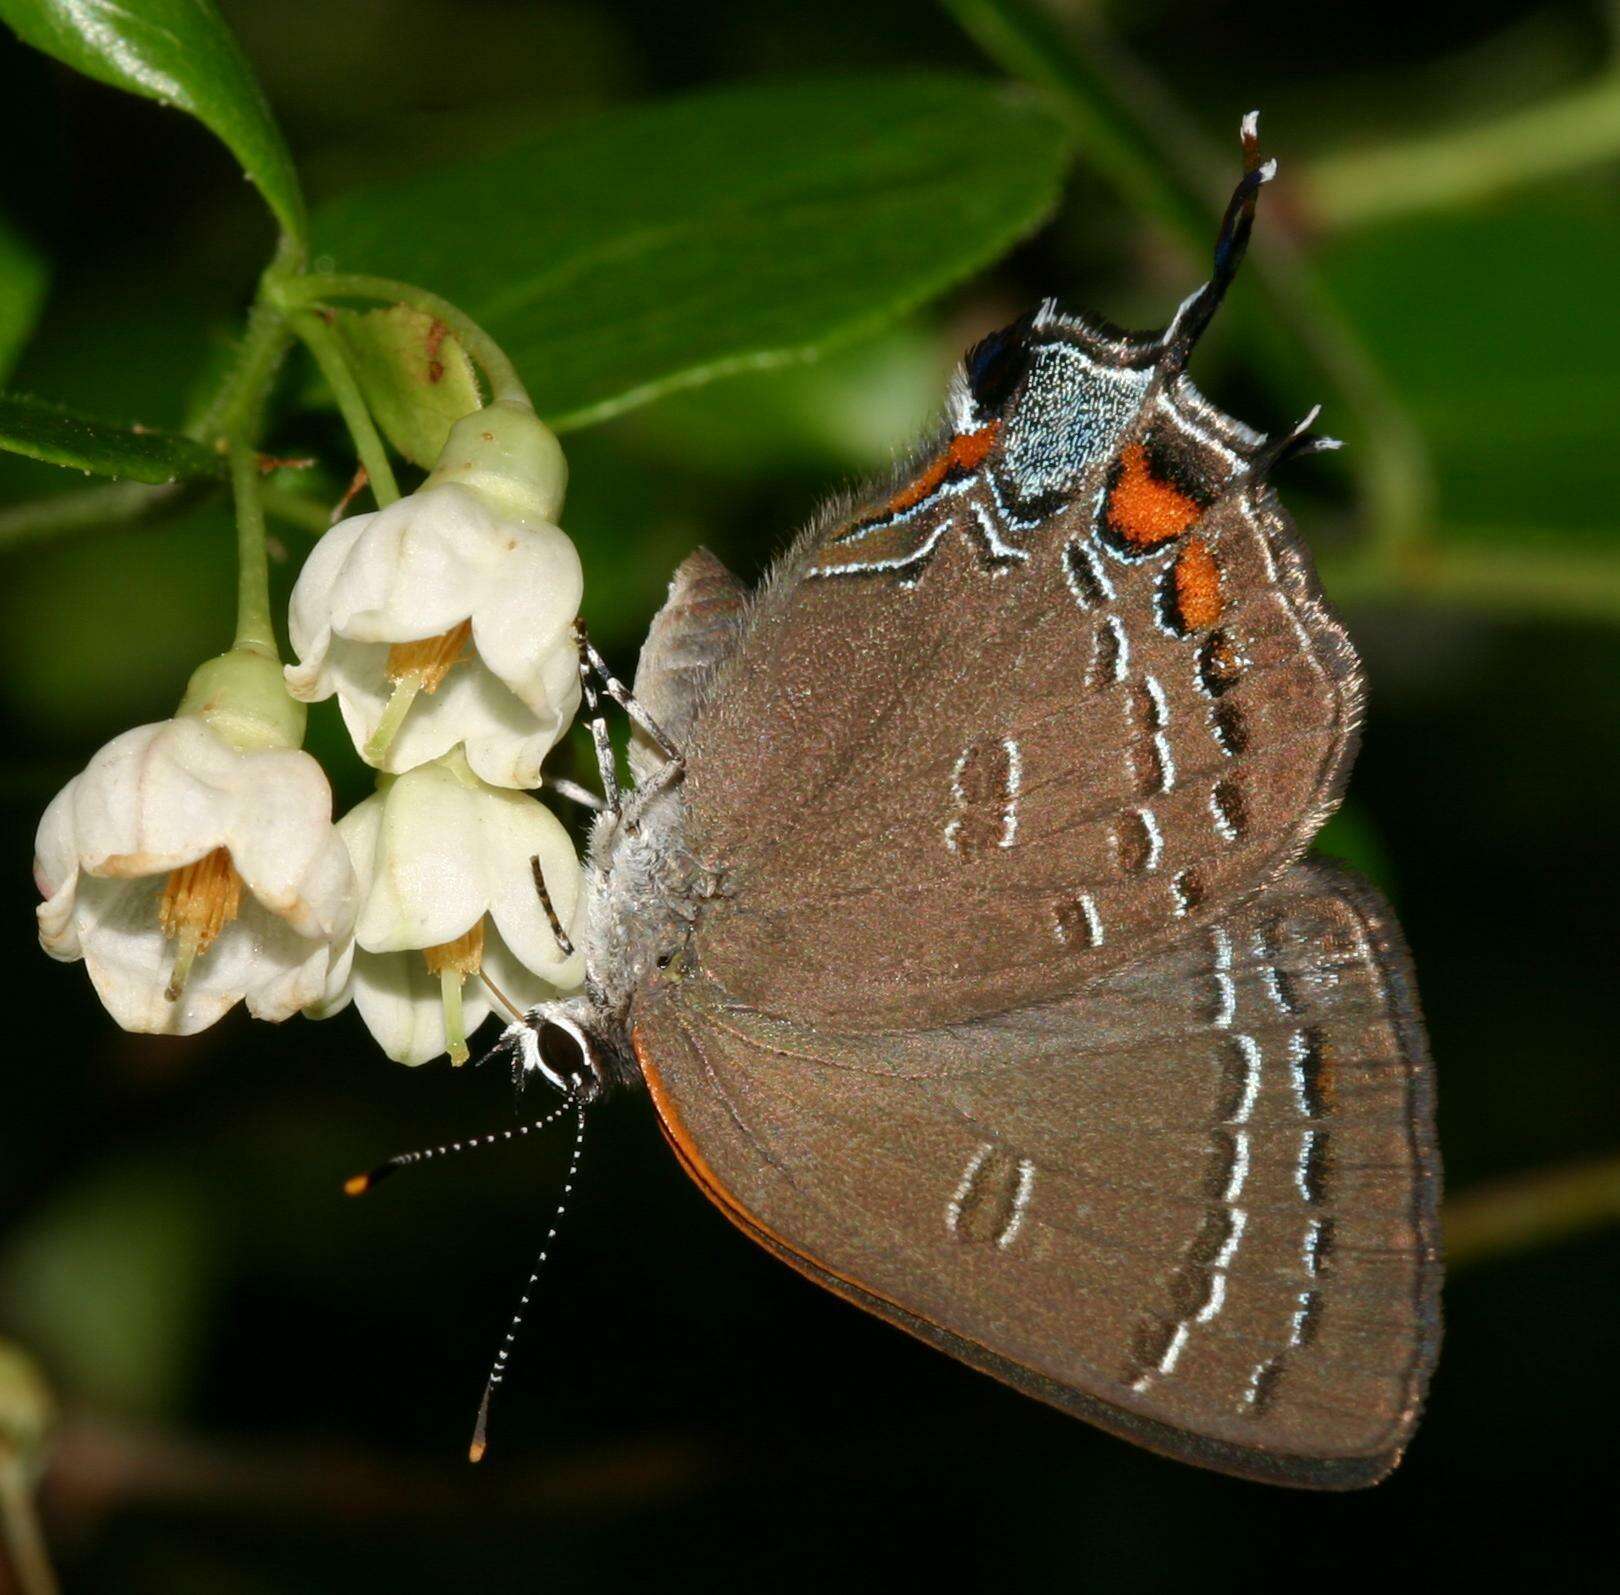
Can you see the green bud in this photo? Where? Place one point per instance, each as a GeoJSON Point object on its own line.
{"type": "Point", "coordinates": [243, 696]}
{"type": "Point", "coordinates": [509, 456]}
{"type": "Point", "coordinates": [27, 1409]}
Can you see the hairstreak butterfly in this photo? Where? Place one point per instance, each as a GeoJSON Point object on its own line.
{"type": "Point", "coordinates": [958, 927]}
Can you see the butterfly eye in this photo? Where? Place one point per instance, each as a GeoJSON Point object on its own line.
{"type": "Point", "coordinates": [995, 366]}
{"type": "Point", "coordinates": [565, 1055]}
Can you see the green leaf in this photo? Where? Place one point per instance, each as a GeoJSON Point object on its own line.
{"type": "Point", "coordinates": [45, 431]}
{"type": "Point", "coordinates": [177, 52]}
{"type": "Point", "coordinates": [1495, 328]}
{"type": "Point", "coordinates": [22, 293]}
{"type": "Point", "coordinates": [667, 245]}
{"type": "Point", "coordinates": [417, 380]}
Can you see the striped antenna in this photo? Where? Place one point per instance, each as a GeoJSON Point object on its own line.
{"type": "Point", "coordinates": [359, 1184]}
{"type": "Point", "coordinates": [480, 1439]}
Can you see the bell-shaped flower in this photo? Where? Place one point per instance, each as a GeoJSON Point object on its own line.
{"type": "Point", "coordinates": [451, 919]}
{"type": "Point", "coordinates": [194, 864]}
{"type": "Point", "coordinates": [446, 619]}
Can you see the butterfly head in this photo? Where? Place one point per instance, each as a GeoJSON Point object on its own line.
{"type": "Point", "coordinates": [555, 1042]}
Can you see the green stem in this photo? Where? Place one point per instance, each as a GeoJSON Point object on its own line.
{"type": "Point", "coordinates": [1458, 569]}
{"type": "Point", "coordinates": [323, 344]}
{"type": "Point", "coordinates": [24, 1541]}
{"type": "Point", "coordinates": [296, 509]}
{"type": "Point", "coordinates": [254, 628]}
{"type": "Point", "coordinates": [1532, 1210]}
{"type": "Point", "coordinates": [1137, 136]}
{"type": "Point", "coordinates": [318, 287]}
{"type": "Point", "coordinates": [1458, 166]}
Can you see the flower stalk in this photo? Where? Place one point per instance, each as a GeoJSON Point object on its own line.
{"type": "Point", "coordinates": [318, 338]}
{"type": "Point", "coordinates": [317, 287]}
{"type": "Point", "coordinates": [254, 629]}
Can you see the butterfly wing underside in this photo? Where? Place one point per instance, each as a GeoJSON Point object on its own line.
{"type": "Point", "coordinates": [1194, 1204]}
{"type": "Point", "coordinates": [1066, 689]}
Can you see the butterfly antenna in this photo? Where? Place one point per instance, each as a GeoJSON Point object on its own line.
{"type": "Point", "coordinates": [359, 1184]}
{"type": "Point", "coordinates": [1231, 243]}
{"type": "Point", "coordinates": [497, 1372]}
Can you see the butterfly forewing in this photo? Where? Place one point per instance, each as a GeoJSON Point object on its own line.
{"type": "Point", "coordinates": [1194, 1204]}
{"type": "Point", "coordinates": [1066, 689]}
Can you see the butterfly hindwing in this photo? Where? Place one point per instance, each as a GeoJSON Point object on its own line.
{"type": "Point", "coordinates": [1194, 1204]}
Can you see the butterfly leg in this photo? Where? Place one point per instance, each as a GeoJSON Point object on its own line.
{"type": "Point", "coordinates": [627, 701]}
{"type": "Point", "coordinates": [593, 707]}
{"type": "Point", "coordinates": [593, 670]}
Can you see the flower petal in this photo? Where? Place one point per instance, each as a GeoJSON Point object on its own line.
{"type": "Point", "coordinates": [427, 887]}
{"type": "Point", "coordinates": [279, 832]}
{"type": "Point", "coordinates": [155, 798]}
{"type": "Point", "coordinates": [523, 627]}
{"type": "Point", "coordinates": [420, 567]}
{"type": "Point", "coordinates": [129, 960]}
{"type": "Point", "coordinates": [309, 614]}
{"type": "Point", "coordinates": [516, 828]}
{"type": "Point", "coordinates": [402, 1005]}
{"type": "Point", "coordinates": [56, 874]}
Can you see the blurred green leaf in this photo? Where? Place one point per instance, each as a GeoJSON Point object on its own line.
{"type": "Point", "coordinates": [180, 53]}
{"type": "Point", "coordinates": [100, 634]}
{"type": "Point", "coordinates": [664, 246]}
{"type": "Point", "coordinates": [111, 1285]}
{"type": "Point", "coordinates": [58, 436]}
{"type": "Point", "coordinates": [22, 293]}
{"type": "Point", "coordinates": [1495, 328]}
{"type": "Point", "coordinates": [417, 380]}
{"type": "Point", "coordinates": [853, 410]}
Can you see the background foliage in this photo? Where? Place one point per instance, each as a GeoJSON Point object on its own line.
{"type": "Point", "coordinates": [267, 1390]}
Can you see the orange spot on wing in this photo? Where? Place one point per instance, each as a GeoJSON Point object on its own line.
{"type": "Point", "coordinates": [1198, 586]}
{"type": "Point", "coordinates": [965, 452]}
{"type": "Point", "coordinates": [1143, 509]}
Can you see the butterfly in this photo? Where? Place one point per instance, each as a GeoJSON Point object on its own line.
{"type": "Point", "coordinates": [959, 929]}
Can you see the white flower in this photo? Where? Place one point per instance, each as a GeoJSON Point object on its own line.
{"type": "Point", "coordinates": [190, 874]}
{"type": "Point", "coordinates": [446, 619]}
{"type": "Point", "coordinates": [447, 893]}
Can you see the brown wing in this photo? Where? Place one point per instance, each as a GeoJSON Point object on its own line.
{"type": "Point", "coordinates": [1068, 689]}
{"type": "Point", "coordinates": [689, 635]}
{"type": "Point", "coordinates": [1195, 1205]}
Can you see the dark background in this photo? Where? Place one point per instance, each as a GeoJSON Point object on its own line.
{"type": "Point", "coordinates": [267, 1388]}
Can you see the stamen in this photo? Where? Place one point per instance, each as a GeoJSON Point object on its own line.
{"type": "Point", "coordinates": [416, 667]}
{"type": "Point", "coordinates": [429, 660]}
{"type": "Point", "coordinates": [199, 900]}
{"type": "Point", "coordinates": [464, 955]}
